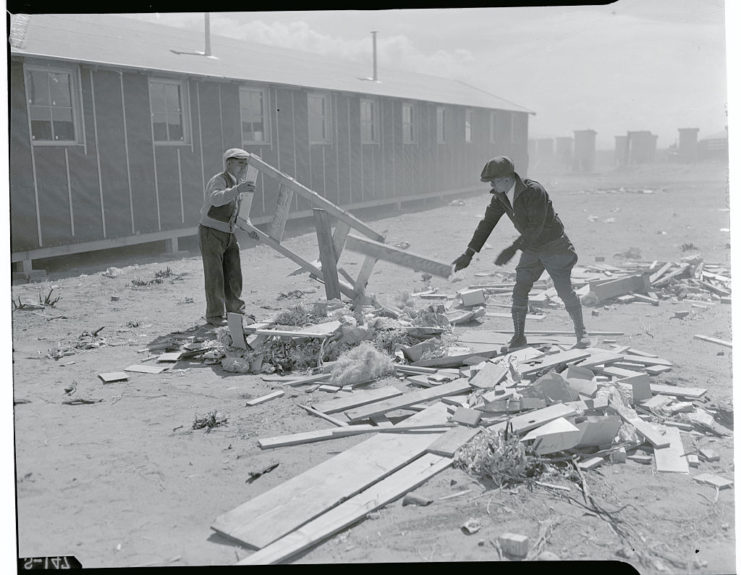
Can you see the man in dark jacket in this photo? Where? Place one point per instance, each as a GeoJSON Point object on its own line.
{"type": "Point", "coordinates": [219, 248]}
{"type": "Point", "coordinates": [542, 240]}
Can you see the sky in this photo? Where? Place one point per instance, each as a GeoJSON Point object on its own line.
{"type": "Point", "coordinates": [656, 65]}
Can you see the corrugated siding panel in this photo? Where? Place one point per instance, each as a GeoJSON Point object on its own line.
{"type": "Point", "coordinates": [303, 158]}
{"type": "Point", "coordinates": [112, 150]}
{"type": "Point", "coordinates": [141, 160]}
{"type": "Point", "coordinates": [24, 235]}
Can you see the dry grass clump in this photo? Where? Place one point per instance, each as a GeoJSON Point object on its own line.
{"type": "Point", "coordinates": [499, 457]}
{"type": "Point", "coordinates": [359, 364]}
{"type": "Point", "coordinates": [297, 315]}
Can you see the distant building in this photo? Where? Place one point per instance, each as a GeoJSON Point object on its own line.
{"type": "Point", "coordinates": [584, 150]}
{"type": "Point", "coordinates": [565, 150]}
{"type": "Point", "coordinates": [714, 146]}
{"type": "Point", "coordinates": [115, 128]}
{"type": "Point", "coordinates": [641, 147]}
{"type": "Point", "coordinates": [687, 149]}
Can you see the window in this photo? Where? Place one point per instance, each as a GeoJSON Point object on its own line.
{"type": "Point", "coordinates": [467, 125]}
{"type": "Point", "coordinates": [440, 125]}
{"type": "Point", "coordinates": [253, 106]}
{"type": "Point", "coordinates": [492, 128]}
{"type": "Point", "coordinates": [53, 98]}
{"type": "Point", "coordinates": [407, 124]}
{"type": "Point", "coordinates": [168, 104]}
{"type": "Point", "coordinates": [319, 125]}
{"type": "Point", "coordinates": [368, 122]}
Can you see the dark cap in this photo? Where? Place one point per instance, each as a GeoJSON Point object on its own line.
{"type": "Point", "coordinates": [496, 168]}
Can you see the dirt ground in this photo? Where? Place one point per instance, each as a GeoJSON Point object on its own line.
{"type": "Point", "coordinates": [126, 481]}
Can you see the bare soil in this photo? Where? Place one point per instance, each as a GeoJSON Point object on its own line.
{"type": "Point", "coordinates": [126, 481]}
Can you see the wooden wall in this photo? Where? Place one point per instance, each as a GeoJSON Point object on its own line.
{"type": "Point", "coordinates": [118, 183]}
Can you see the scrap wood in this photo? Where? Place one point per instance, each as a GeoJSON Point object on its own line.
{"type": "Point", "coordinates": [714, 340]}
{"type": "Point", "coordinates": [357, 399]}
{"type": "Point", "coordinates": [398, 256]}
{"type": "Point", "coordinates": [555, 360]}
{"type": "Point", "coordinates": [350, 511]}
{"type": "Point", "coordinates": [255, 474]}
{"type": "Point", "coordinates": [448, 443]}
{"type": "Point", "coordinates": [75, 401]}
{"type": "Point", "coordinates": [346, 431]}
{"type": "Point", "coordinates": [274, 513]}
{"type": "Point", "coordinates": [337, 422]}
{"type": "Point", "coordinates": [531, 420]}
{"type": "Point", "coordinates": [408, 399]}
{"type": "Point", "coordinates": [321, 330]}
{"type": "Point", "coordinates": [677, 391]}
{"type": "Point", "coordinates": [655, 437]}
{"type": "Point", "coordinates": [671, 458]}
{"type": "Point", "coordinates": [715, 480]}
{"type": "Point", "coordinates": [265, 398]}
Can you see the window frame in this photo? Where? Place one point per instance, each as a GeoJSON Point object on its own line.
{"type": "Point", "coordinates": [468, 125]}
{"type": "Point", "coordinates": [373, 125]}
{"type": "Point", "coordinates": [78, 123]}
{"type": "Point", "coordinates": [326, 138]}
{"type": "Point", "coordinates": [183, 85]}
{"type": "Point", "coordinates": [408, 136]}
{"type": "Point", "coordinates": [441, 114]}
{"type": "Point", "coordinates": [267, 127]}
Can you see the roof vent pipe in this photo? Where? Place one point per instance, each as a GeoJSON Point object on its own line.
{"type": "Point", "coordinates": [207, 24]}
{"type": "Point", "coordinates": [375, 58]}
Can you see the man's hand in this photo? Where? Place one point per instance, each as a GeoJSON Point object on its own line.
{"type": "Point", "coordinates": [505, 255]}
{"type": "Point", "coordinates": [252, 234]}
{"type": "Point", "coordinates": [463, 260]}
{"type": "Point", "coordinates": [247, 187]}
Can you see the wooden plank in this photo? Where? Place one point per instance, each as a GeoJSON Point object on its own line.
{"type": "Point", "coordinates": [327, 254]}
{"type": "Point", "coordinates": [533, 419]}
{"type": "Point", "coordinates": [350, 511]}
{"type": "Point", "coordinates": [346, 431]}
{"type": "Point", "coordinates": [619, 372]}
{"type": "Point", "coordinates": [556, 359]}
{"type": "Point", "coordinates": [677, 391]}
{"type": "Point", "coordinates": [621, 286]}
{"type": "Point", "coordinates": [357, 399]}
{"type": "Point", "coordinates": [654, 436]}
{"type": "Point", "coordinates": [478, 352]}
{"type": "Point", "coordinates": [466, 416]}
{"type": "Point", "coordinates": [554, 436]}
{"type": "Point", "coordinates": [319, 330]}
{"type": "Point", "coordinates": [600, 357]}
{"type": "Point", "coordinates": [714, 480]}
{"type": "Point", "coordinates": [407, 399]}
{"type": "Point", "coordinates": [283, 206]}
{"type": "Point", "coordinates": [171, 356]}
{"type": "Point", "coordinates": [234, 321]}
{"type": "Point", "coordinates": [113, 376]}
{"type": "Point", "coordinates": [665, 279]}
{"type": "Point", "coordinates": [448, 443]}
{"type": "Point", "coordinates": [722, 342]}
{"type": "Point", "coordinates": [671, 458]}
{"type": "Point", "coordinates": [398, 256]}
{"type": "Point", "coordinates": [339, 420]}
{"type": "Point", "coordinates": [655, 276]}
{"type": "Point", "coordinates": [490, 375]}
{"type": "Point", "coordinates": [366, 269]}
{"type": "Point", "coordinates": [341, 229]}
{"type": "Point", "coordinates": [643, 360]}
{"type": "Point", "coordinates": [265, 398]}
{"type": "Point", "coordinates": [315, 199]}
{"type": "Point", "coordinates": [278, 511]}
{"type": "Point", "coordinates": [147, 368]}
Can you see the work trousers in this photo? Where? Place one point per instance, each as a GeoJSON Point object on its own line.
{"type": "Point", "coordinates": [557, 258]}
{"type": "Point", "coordinates": [222, 272]}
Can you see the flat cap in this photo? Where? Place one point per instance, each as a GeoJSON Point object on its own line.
{"type": "Point", "coordinates": [236, 153]}
{"type": "Point", "coordinates": [497, 167]}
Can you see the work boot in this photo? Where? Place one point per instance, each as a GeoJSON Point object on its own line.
{"type": "Point", "coordinates": [582, 341]}
{"type": "Point", "coordinates": [519, 313]}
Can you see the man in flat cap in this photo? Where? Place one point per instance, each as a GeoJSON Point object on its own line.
{"type": "Point", "coordinates": [219, 248]}
{"type": "Point", "coordinates": [542, 240]}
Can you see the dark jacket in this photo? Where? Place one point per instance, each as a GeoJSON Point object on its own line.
{"type": "Point", "coordinates": [532, 214]}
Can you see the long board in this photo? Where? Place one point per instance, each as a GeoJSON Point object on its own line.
{"type": "Point", "coordinates": [398, 256]}
{"type": "Point", "coordinates": [357, 399]}
{"type": "Point", "coordinates": [278, 511]}
{"type": "Point", "coordinates": [352, 510]}
{"type": "Point", "coordinates": [407, 399]}
{"type": "Point", "coordinates": [671, 458]}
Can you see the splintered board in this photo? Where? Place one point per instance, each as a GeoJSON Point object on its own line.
{"type": "Point", "coordinates": [278, 511]}
{"type": "Point", "coordinates": [533, 419]}
{"type": "Point", "coordinates": [147, 368]}
{"type": "Point", "coordinates": [350, 511]}
{"type": "Point", "coordinates": [448, 443]}
{"type": "Point", "coordinates": [556, 359]}
{"type": "Point", "coordinates": [407, 399]}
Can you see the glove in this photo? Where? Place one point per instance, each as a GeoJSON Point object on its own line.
{"type": "Point", "coordinates": [505, 255]}
{"type": "Point", "coordinates": [463, 260]}
{"type": "Point", "coordinates": [252, 234]}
